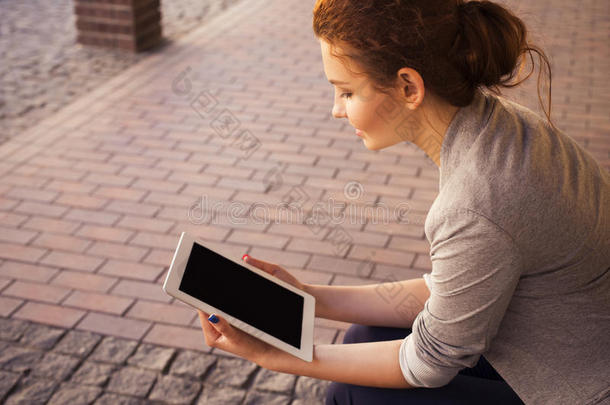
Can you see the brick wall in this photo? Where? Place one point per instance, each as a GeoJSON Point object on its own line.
{"type": "Point", "coordinates": [133, 25]}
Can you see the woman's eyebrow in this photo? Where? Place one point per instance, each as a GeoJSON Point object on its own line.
{"type": "Point", "coordinates": [337, 82]}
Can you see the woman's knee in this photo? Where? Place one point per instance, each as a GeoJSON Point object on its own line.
{"type": "Point", "coordinates": [356, 334]}
{"type": "Point", "coordinates": [337, 394]}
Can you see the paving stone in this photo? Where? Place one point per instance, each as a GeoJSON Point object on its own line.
{"type": "Point", "coordinates": [41, 336]}
{"type": "Point", "coordinates": [113, 399]}
{"type": "Point", "coordinates": [113, 350]}
{"type": "Point", "coordinates": [78, 343]}
{"type": "Point", "coordinates": [69, 394]}
{"type": "Point", "coordinates": [311, 388]}
{"type": "Point", "coordinates": [132, 381]}
{"type": "Point", "coordinates": [7, 381]}
{"type": "Point", "coordinates": [221, 395]}
{"type": "Point", "coordinates": [93, 373]}
{"type": "Point", "coordinates": [55, 366]}
{"type": "Point", "coordinates": [265, 398]}
{"type": "Point", "coordinates": [55, 68]}
{"type": "Point", "coordinates": [268, 380]}
{"type": "Point", "coordinates": [229, 371]}
{"type": "Point", "coordinates": [49, 314]}
{"type": "Point", "coordinates": [19, 358]}
{"type": "Point", "coordinates": [12, 329]}
{"type": "Point", "coordinates": [193, 364]}
{"type": "Point", "coordinates": [175, 390]}
{"type": "Point", "coordinates": [151, 357]}
{"type": "Point", "coordinates": [32, 391]}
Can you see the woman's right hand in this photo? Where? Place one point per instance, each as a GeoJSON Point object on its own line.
{"type": "Point", "coordinates": [275, 270]}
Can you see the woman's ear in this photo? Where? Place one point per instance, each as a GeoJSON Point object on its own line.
{"type": "Point", "coordinates": [411, 87]}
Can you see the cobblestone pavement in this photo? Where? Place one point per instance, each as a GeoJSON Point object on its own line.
{"type": "Point", "coordinates": [43, 68]}
{"type": "Point", "coordinates": [42, 364]}
{"type": "Point", "coordinates": [94, 197]}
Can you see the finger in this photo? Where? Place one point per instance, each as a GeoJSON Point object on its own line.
{"type": "Point", "coordinates": [222, 326]}
{"type": "Point", "coordinates": [210, 333]}
{"type": "Point", "coordinates": [266, 266]}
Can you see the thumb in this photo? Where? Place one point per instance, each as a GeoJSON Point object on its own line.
{"type": "Point", "coordinates": [265, 266]}
{"type": "Point", "coordinates": [221, 325]}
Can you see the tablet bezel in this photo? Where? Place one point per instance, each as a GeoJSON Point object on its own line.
{"type": "Point", "coordinates": [176, 272]}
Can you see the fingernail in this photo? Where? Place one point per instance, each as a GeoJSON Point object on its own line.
{"type": "Point", "coordinates": [244, 257]}
{"type": "Point", "coordinates": [213, 318]}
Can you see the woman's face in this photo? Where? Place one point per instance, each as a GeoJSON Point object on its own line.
{"type": "Point", "coordinates": [369, 111]}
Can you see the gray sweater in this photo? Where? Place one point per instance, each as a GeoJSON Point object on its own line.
{"type": "Point", "coordinates": [520, 248]}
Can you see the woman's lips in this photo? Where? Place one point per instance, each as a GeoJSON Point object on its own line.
{"type": "Point", "coordinates": [359, 132]}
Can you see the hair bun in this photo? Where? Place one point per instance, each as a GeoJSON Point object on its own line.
{"type": "Point", "coordinates": [489, 43]}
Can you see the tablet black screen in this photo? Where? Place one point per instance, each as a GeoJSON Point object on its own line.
{"type": "Point", "coordinates": [243, 294]}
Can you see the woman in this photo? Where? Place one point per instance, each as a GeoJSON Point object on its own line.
{"type": "Point", "coordinates": [519, 233]}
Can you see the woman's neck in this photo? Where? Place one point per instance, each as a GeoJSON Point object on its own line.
{"type": "Point", "coordinates": [434, 118]}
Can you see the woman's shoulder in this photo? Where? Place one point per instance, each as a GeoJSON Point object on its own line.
{"type": "Point", "coordinates": [530, 179]}
{"type": "Point", "coordinates": [501, 140]}
{"type": "Point", "coordinates": [490, 133]}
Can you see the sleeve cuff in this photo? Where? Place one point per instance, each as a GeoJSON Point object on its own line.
{"type": "Point", "coordinates": [404, 366]}
{"type": "Point", "coordinates": [418, 373]}
{"type": "Point", "coordinates": [426, 278]}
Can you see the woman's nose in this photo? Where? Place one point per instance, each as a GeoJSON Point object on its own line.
{"type": "Point", "coordinates": [338, 111]}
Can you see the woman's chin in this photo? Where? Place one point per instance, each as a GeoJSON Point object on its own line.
{"type": "Point", "coordinates": [368, 144]}
{"type": "Point", "coordinates": [375, 145]}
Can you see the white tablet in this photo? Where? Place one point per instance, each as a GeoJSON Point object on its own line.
{"type": "Point", "coordinates": [249, 299]}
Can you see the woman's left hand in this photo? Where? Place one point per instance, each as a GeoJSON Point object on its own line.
{"type": "Point", "coordinates": [223, 336]}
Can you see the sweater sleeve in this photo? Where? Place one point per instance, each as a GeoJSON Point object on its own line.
{"type": "Point", "coordinates": [475, 269]}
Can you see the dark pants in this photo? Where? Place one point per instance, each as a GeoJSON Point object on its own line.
{"type": "Point", "coordinates": [478, 385]}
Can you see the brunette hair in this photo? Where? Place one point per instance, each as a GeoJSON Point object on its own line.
{"type": "Point", "coordinates": [456, 46]}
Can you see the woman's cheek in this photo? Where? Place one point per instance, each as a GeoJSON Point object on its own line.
{"type": "Point", "coordinates": [370, 116]}
{"type": "Point", "coordinates": [358, 116]}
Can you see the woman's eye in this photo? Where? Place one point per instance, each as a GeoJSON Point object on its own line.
{"type": "Point", "coordinates": [346, 95]}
